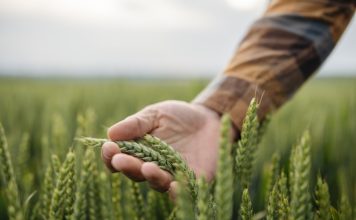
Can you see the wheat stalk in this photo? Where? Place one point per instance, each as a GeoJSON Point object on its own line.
{"type": "Point", "coordinates": [246, 211]}
{"type": "Point", "coordinates": [185, 203]}
{"type": "Point", "coordinates": [56, 164]}
{"type": "Point", "coordinates": [274, 171]}
{"type": "Point", "coordinates": [203, 200]}
{"type": "Point", "coordinates": [322, 200]}
{"type": "Point", "coordinates": [158, 152]}
{"type": "Point", "coordinates": [283, 204]}
{"type": "Point", "coordinates": [272, 206]}
{"type": "Point", "coordinates": [173, 158]}
{"type": "Point", "coordinates": [48, 185]}
{"type": "Point", "coordinates": [224, 179]}
{"type": "Point", "coordinates": [300, 196]}
{"type": "Point", "coordinates": [12, 193]}
{"type": "Point", "coordinates": [81, 202]}
{"type": "Point", "coordinates": [132, 148]}
{"type": "Point", "coordinates": [116, 184]}
{"type": "Point", "coordinates": [61, 198]}
{"type": "Point", "coordinates": [247, 145]}
{"type": "Point", "coordinates": [137, 201]}
{"type": "Point", "coordinates": [345, 210]}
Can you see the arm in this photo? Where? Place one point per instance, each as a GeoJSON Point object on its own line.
{"type": "Point", "coordinates": [279, 53]}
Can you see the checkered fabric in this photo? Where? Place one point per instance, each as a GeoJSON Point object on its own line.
{"type": "Point", "coordinates": [279, 53]}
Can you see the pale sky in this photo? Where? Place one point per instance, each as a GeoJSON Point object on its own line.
{"type": "Point", "coordinates": [134, 37]}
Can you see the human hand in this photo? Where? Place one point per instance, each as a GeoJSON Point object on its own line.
{"type": "Point", "coordinates": [191, 129]}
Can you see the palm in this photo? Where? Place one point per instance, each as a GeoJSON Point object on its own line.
{"type": "Point", "coordinates": [192, 131]}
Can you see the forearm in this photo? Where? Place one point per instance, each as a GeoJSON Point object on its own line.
{"type": "Point", "coordinates": [279, 53]}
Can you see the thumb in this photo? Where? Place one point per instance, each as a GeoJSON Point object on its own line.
{"type": "Point", "coordinates": [134, 126]}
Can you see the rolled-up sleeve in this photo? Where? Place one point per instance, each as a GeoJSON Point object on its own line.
{"type": "Point", "coordinates": [279, 53]}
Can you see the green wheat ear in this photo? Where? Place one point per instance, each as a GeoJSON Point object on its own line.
{"type": "Point", "coordinates": [272, 206]}
{"type": "Point", "coordinates": [173, 158]}
{"type": "Point", "coordinates": [152, 149]}
{"type": "Point", "coordinates": [133, 148]}
{"type": "Point", "coordinates": [47, 189]}
{"type": "Point", "coordinates": [345, 210]}
{"type": "Point", "coordinates": [300, 175]}
{"type": "Point", "coordinates": [56, 164]}
{"type": "Point", "coordinates": [7, 169]}
{"type": "Point", "coordinates": [247, 145]}
{"type": "Point", "coordinates": [14, 208]}
{"type": "Point", "coordinates": [185, 205]}
{"type": "Point", "coordinates": [203, 199]}
{"type": "Point", "coordinates": [278, 201]}
{"type": "Point", "coordinates": [322, 200]}
{"type": "Point", "coordinates": [224, 174]}
{"type": "Point", "coordinates": [283, 198]}
{"type": "Point", "coordinates": [274, 171]}
{"type": "Point", "coordinates": [116, 197]}
{"type": "Point", "coordinates": [137, 200]}
{"type": "Point", "coordinates": [81, 203]}
{"type": "Point", "coordinates": [246, 211]}
{"type": "Point", "coordinates": [62, 199]}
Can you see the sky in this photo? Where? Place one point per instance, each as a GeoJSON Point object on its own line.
{"type": "Point", "coordinates": [190, 38]}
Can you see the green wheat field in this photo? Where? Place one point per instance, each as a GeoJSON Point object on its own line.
{"type": "Point", "coordinates": [299, 165]}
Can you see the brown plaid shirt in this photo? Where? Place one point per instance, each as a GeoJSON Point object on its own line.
{"type": "Point", "coordinates": [278, 54]}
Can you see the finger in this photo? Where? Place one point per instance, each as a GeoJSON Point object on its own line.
{"type": "Point", "coordinates": [135, 125]}
{"type": "Point", "coordinates": [172, 191]}
{"type": "Point", "coordinates": [108, 150]}
{"type": "Point", "coordinates": [128, 165]}
{"type": "Point", "coordinates": [157, 179]}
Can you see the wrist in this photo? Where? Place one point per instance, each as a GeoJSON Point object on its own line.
{"type": "Point", "coordinates": [206, 110]}
{"type": "Point", "coordinates": [213, 114]}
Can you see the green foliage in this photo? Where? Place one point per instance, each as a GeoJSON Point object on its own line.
{"type": "Point", "coordinates": [41, 123]}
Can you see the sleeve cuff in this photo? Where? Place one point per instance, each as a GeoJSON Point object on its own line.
{"type": "Point", "coordinates": [228, 94]}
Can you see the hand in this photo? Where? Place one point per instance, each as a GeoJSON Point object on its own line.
{"type": "Point", "coordinates": [191, 129]}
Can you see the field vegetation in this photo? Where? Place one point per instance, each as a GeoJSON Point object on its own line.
{"type": "Point", "coordinates": [301, 165]}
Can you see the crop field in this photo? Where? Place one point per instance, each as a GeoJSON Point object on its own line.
{"type": "Point", "coordinates": [299, 165]}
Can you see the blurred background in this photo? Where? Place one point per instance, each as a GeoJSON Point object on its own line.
{"type": "Point", "coordinates": [47, 47]}
{"type": "Point", "coordinates": [188, 38]}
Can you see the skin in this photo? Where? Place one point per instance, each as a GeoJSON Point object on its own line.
{"type": "Point", "coordinates": [192, 129]}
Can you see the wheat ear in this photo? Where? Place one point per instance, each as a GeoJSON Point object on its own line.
{"type": "Point", "coordinates": [224, 181]}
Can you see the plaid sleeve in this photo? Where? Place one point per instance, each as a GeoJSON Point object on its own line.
{"type": "Point", "coordinates": [278, 54]}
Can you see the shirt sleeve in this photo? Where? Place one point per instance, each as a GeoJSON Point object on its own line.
{"type": "Point", "coordinates": [279, 53]}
